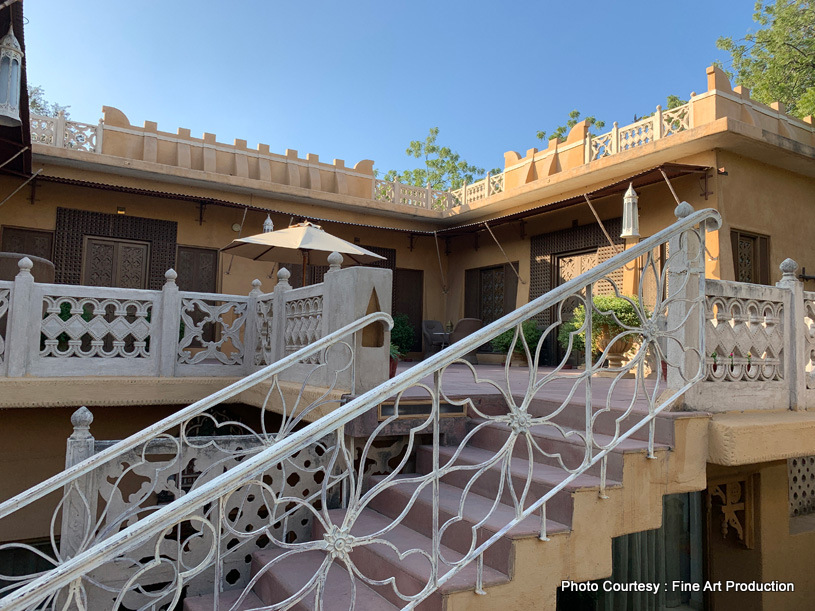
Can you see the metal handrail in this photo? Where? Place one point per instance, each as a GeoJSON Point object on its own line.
{"type": "Point", "coordinates": [86, 466]}
{"type": "Point", "coordinates": [251, 467]}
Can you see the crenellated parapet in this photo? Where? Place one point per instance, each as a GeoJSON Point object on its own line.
{"type": "Point", "coordinates": [720, 101]}
{"type": "Point", "coordinates": [116, 136]}
{"type": "Point", "coordinates": [180, 152]}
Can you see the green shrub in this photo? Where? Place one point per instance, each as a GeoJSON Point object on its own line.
{"type": "Point", "coordinates": [403, 333]}
{"type": "Point", "coordinates": [625, 312]}
{"type": "Point", "coordinates": [532, 334]}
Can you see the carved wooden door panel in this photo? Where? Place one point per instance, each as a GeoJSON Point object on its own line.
{"type": "Point", "coordinates": [491, 306]}
{"type": "Point", "coordinates": [570, 266]}
{"type": "Point", "coordinates": [197, 269]}
{"type": "Point", "coordinates": [108, 262]}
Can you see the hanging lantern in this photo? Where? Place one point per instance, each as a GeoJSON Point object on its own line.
{"type": "Point", "coordinates": [631, 214]}
{"type": "Point", "coordinates": [268, 226]}
{"type": "Point", "coordinates": [11, 58]}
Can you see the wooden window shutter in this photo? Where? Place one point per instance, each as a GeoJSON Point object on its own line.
{"type": "Point", "coordinates": [472, 291]}
{"type": "Point", "coordinates": [510, 287]}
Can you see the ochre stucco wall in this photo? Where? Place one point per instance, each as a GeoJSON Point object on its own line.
{"type": "Point", "coordinates": [776, 554]}
{"type": "Point", "coordinates": [760, 198]}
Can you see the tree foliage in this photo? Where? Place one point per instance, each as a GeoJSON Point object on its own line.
{"type": "Point", "coordinates": [777, 62]}
{"type": "Point", "coordinates": [444, 169]}
{"type": "Point", "coordinates": [561, 131]}
{"type": "Point", "coordinates": [40, 106]}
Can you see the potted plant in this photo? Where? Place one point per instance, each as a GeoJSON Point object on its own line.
{"type": "Point", "coordinates": [395, 355]}
{"type": "Point", "coordinates": [608, 310]}
{"type": "Point", "coordinates": [502, 342]}
{"type": "Point", "coordinates": [403, 334]}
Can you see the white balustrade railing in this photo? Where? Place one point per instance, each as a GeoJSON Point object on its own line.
{"type": "Point", "coordinates": [192, 535]}
{"type": "Point", "coordinates": [58, 131]}
{"type": "Point", "coordinates": [68, 330]}
{"type": "Point", "coordinates": [434, 199]}
{"type": "Point", "coordinates": [659, 125]}
{"type": "Point", "coordinates": [759, 346]}
{"type": "Point", "coordinates": [5, 301]}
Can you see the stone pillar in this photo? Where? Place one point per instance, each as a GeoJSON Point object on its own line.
{"type": "Point", "coordinates": [349, 295]}
{"type": "Point", "coordinates": [795, 357]}
{"type": "Point", "coordinates": [19, 320]}
{"type": "Point", "coordinates": [250, 343]}
{"type": "Point", "coordinates": [279, 313]}
{"type": "Point", "coordinates": [685, 313]}
{"type": "Point", "coordinates": [169, 324]}
{"type": "Point", "coordinates": [79, 507]}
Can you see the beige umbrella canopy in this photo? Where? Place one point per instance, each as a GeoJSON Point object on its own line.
{"type": "Point", "coordinates": [302, 243]}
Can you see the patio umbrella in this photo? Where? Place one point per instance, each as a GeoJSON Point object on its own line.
{"type": "Point", "coordinates": [304, 243]}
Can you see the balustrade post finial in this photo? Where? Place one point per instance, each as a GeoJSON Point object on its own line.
{"type": "Point", "coordinates": [81, 420]}
{"type": "Point", "coordinates": [25, 264]}
{"type": "Point", "coordinates": [334, 261]}
{"type": "Point", "coordinates": [788, 268]}
{"type": "Point", "coordinates": [170, 276]}
{"type": "Point", "coordinates": [255, 288]}
{"type": "Point", "coordinates": [283, 276]}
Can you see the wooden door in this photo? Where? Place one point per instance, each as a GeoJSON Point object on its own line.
{"type": "Point", "coordinates": [408, 285]}
{"type": "Point", "coordinates": [121, 263]}
{"type": "Point", "coordinates": [197, 269]}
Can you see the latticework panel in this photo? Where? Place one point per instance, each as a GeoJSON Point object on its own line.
{"type": "Point", "coordinates": [546, 247]}
{"type": "Point", "coordinates": [73, 225]}
{"type": "Point", "coordinates": [802, 485]}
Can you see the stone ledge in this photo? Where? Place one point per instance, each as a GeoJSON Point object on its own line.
{"type": "Point", "coordinates": [117, 391]}
{"type": "Point", "coordinates": [745, 438]}
{"type": "Point", "coordinates": [106, 391]}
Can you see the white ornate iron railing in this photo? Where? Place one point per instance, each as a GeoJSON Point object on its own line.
{"type": "Point", "coordinates": [670, 330]}
{"type": "Point", "coordinates": [120, 484]}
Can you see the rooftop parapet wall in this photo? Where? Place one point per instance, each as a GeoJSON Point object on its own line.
{"type": "Point", "coordinates": [115, 136]}
{"type": "Point", "coordinates": [720, 101]}
{"type": "Point", "coordinates": [182, 150]}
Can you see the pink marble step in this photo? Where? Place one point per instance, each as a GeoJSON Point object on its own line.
{"type": "Point", "coordinates": [458, 534]}
{"type": "Point", "coordinates": [412, 571]}
{"type": "Point", "coordinates": [287, 576]}
{"type": "Point", "coordinates": [571, 448]}
{"type": "Point", "coordinates": [225, 601]}
{"type": "Point", "coordinates": [543, 478]}
{"type": "Point", "coordinates": [573, 415]}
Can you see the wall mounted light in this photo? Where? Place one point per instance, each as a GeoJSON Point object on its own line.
{"type": "Point", "coordinates": [631, 214]}
{"type": "Point", "coordinates": [11, 58]}
{"type": "Point", "coordinates": [121, 210]}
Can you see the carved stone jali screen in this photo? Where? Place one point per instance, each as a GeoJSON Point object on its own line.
{"type": "Point", "coordinates": [74, 226]}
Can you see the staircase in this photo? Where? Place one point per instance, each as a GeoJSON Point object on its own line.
{"type": "Point", "coordinates": [576, 544]}
{"type": "Point", "coordinates": [548, 469]}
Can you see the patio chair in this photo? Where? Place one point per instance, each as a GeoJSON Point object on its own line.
{"type": "Point", "coordinates": [463, 328]}
{"type": "Point", "coordinates": [435, 338]}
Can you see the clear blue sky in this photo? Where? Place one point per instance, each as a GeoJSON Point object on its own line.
{"type": "Point", "coordinates": [359, 80]}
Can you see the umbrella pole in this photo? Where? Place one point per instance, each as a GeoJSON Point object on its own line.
{"type": "Point", "coordinates": [305, 264]}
